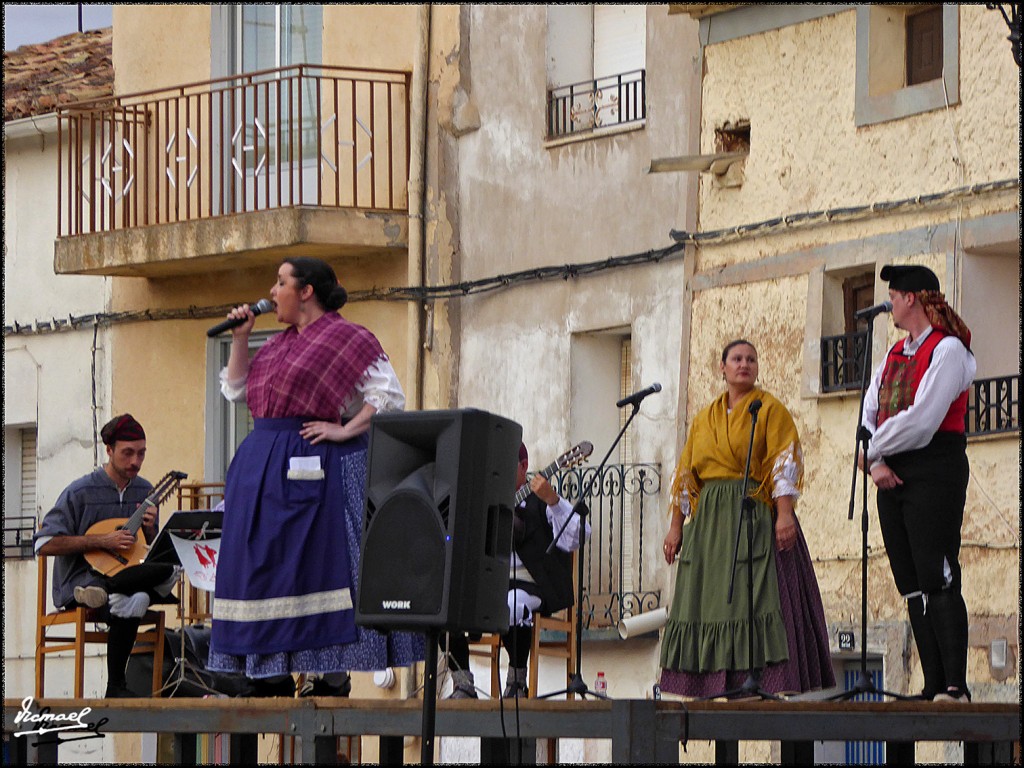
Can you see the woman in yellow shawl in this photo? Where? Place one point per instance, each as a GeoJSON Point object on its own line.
{"type": "Point", "coordinates": [705, 648]}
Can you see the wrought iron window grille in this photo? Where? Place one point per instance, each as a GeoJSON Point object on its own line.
{"type": "Point", "coordinates": [599, 103]}
{"type": "Point", "coordinates": [842, 361]}
{"type": "Point", "coordinates": [616, 583]}
{"type": "Point", "coordinates": [993, 406]}
{"type": "Point", "coordinates": [18, 532]}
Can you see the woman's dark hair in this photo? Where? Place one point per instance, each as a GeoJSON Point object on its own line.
{"type": "Point", "coordinates": [736, 343]}
{"type": "Point", "coordinates": [310, 271]}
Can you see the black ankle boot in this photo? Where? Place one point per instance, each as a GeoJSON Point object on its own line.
{"type": "Point", "coordinates": [947, 614]}
{"type": "Point", "coordinates": [927, 648]}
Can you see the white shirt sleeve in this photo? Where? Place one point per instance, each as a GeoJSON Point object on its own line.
{"type": "Point", "coordinates": [786, 472]}
{"type": "Point", "coordinates": [380, 388]}
{"type": "Point", "coordinates": [557, 515]}
{"type": "Point", "coordinates": [950, 373]}
{"type": "Point", "coordinates": [233, 390]}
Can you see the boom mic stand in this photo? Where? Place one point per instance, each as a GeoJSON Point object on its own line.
{"type": "Point", "coordinates": [864, 682]}
{"type": "Point", "coordinates": [752, 685]}
{"type": "Point", "coordinates": [577, 685]}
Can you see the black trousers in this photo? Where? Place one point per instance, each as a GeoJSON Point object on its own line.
{"type": "Point", "coordinates": [144, 577]}
{"type": "Point", "coordinates": [921, 519]}
{"type": "Point", "coordinates": [920, 522]}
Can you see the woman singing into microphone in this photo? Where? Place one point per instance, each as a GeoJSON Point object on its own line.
{"type": "Point", "coordinates": [294, 492]}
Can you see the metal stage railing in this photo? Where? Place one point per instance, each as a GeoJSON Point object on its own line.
{"type": "Point", "coordinates": [641, 731]}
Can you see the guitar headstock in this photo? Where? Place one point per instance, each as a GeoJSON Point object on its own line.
{"type": "Point", "coordinates": [575, 455]}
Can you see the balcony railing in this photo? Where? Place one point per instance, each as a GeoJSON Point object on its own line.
{"type": "Point", "coordinates": [18, 533]}
{"type": "Point", "coordinates": [842, 359]}
{"type": "Point", "coordinates": [621, 502]}
{"type": "Point", "coordinates": [993, 406]}
{"type": "Point", "coordinates": [302, 135]}
{"type": "Point", "coordinates": [599, 103]}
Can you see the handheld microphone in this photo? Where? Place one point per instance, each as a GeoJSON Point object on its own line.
{"type": "Point", "coordinates": [636, 397]}
{"type": "Point", "coordinates": [261, 306]}
{"type": "Point", "coordinates": [885, 306]}
{"type": "Point", "coordinates": [755, 406]}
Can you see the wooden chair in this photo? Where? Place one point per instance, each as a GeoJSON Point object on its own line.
{"type": "Point", "coordinates": [74, 620]}
{"type": "Point", "coordinates": [561, 621]}
{"type": "Point", "coordinates": [489, 647]}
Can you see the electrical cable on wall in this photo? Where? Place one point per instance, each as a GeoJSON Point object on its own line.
{"type": "Point", "coordinates": [498, 282]}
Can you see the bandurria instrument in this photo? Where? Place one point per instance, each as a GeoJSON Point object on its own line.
{"type": "Point", "coordinates": [108, 563]}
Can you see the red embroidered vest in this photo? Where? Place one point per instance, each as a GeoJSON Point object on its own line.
{"type": "Point", "coordinates": [902, 376]}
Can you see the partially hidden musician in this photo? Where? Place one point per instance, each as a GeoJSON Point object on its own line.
{"type": "Point", "coordinates": [112, 491]}
{"type": "Point", "coordinates": [539, 581]}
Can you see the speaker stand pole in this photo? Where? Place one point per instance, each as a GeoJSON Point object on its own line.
{"type": "Point", "coordinates": [577, 685]}
{"type": "Point", "coordinates": [429, 699]}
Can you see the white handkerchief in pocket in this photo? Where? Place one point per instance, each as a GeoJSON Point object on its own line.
{"type": "Point", "coordinates": [305, 468]}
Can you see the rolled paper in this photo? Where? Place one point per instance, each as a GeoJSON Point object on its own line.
{"type": "Point", "coordinates": [651, 621]}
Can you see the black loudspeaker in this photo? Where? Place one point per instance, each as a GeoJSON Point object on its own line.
{"type": "Point", "coordinates": [437, 525]}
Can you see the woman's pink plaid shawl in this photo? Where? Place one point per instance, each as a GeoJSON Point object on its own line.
{"type": "Point", "coordinates": [310, 374]}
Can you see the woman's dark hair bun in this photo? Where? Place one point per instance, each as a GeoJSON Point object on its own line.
{"type": "Point", "coordinates": [336, 299]}
{"type": "Point", "coordinates": [308, 270]}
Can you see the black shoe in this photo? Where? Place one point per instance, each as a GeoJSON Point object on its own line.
{"type": "Point", "coordinates": [115, 691]}
{"type": "Point", "coordinates": [318, 686]}
{"type": "Point", "coordinates": [272, 686]}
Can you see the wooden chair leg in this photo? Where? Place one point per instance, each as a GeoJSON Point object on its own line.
{"type": "Point", "coordinates": [40, 669]}
{"type": "Point", "coordinates": [531, 686]}
{"type": "Point", "coordinates": [80, 656]}
{"type": "Point", "coordinates": [158, 655]}
{"type": "Point", "coordinates": [496, 669]}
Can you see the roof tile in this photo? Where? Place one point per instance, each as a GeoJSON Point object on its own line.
{"type": "Point", "coordinates": [39, 78]}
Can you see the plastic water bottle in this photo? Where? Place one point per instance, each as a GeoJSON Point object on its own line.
{"type": "Point", "coordinates": [601, 684]}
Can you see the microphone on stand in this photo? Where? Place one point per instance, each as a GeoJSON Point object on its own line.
{"type": "Point", "coordinates": [754, 407]}
{"type": "Point", "coordinates": [885, 306]}
{"type": "Point", "coordinates": [636, 397]}
{"type": "Point", "coordinates": [261, 306]}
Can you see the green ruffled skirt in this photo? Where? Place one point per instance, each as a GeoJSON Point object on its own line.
{"type": "Point", "coordinates": [705, 632]}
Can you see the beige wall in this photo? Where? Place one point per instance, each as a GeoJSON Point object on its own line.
{"type": "Point", "coordinates": [157, 46]}
{"type": "Point", "coordinates": [370, 36]}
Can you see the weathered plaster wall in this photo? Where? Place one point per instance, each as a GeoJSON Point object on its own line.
{"type": "Point", "coordinates": [808, 155]}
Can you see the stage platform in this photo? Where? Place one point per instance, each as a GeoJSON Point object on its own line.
{"type": "Point", "coordinates": [641, 731]}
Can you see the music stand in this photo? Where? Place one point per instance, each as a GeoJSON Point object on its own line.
{"type": "Point", "coordinates": [196, 525]}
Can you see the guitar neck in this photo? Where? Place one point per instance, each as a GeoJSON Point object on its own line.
{"type": "Point", "coordinates": [524, 489]}
{"type": "Point", "coordinates": [162, 490]}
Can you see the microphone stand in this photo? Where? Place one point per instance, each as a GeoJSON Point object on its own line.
{"type": "Point", "coordinates": [577, 685]}
{"type": "Point", "coordinates": [864, 684]}
{"type": "Point", "coordinates": [752, 685]}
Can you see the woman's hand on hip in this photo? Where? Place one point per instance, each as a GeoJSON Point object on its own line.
{"type": "Point", "coordinates": [319, 431]}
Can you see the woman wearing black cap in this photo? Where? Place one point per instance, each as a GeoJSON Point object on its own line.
{"type": "Point", "coordinates": [915, 409]}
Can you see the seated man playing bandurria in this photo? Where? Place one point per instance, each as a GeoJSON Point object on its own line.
{"type": "Point", "coordinates": [539, 582]}
{"type": "Point", "coordinates": [114, 490]}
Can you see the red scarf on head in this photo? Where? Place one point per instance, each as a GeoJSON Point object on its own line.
{"type": "Point", "coordinates": [942, 316]}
